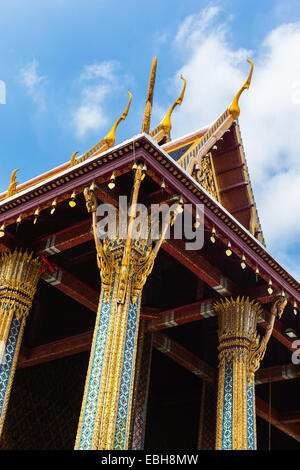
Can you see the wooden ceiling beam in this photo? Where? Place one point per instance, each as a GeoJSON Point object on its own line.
{"type": "Point", "coordinates": [262, 410]}
{"type": "Point", "coordinates": [182, 315]}
{"type": "Point", "coordinates": [183, 357]}
{"type": "Point", "coordinates": [202, 268]}
{"type": "Point", "coordinates": [277, 373]}
{"type": "Point", "coordinates": [82, 292]}
{"type": "Point", "coordinates": [287, 417]}
{"type": "Point", "coordinates": [64, 239]}
{"type": "Point", "coordinates": [55, 350]}
{"type": "Point", "coordinates": [73, 287]}
{"type": "Point", "coordinates": [82, 342]}
{"type": "Point", "coordinates": [261, 294]}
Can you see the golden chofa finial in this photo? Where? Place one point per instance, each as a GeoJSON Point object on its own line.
{"type": "Point", "coordinates": [234, 108]}
{"type": "Point", "coordinates": [149, 100]}
{"type": "Point", "coordinates": [166, 122]}
{"type": "Point", "coordinates": [73, 159]}
{"type": "Point", "coordinates": [13, 184]}
{"type": "Point", "coordinates": [110, 138]}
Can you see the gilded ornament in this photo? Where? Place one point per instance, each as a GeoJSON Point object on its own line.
{"type": "Point", "coordinates": [73, 159]}
{"type": "Point", "coordinates": [13, 184]}
{"type": "Point", "coordinates": [149, 99]}
{"type": "Point", "coordinates": [258, 348]}
{"type": "Point", "coordinates": [109, 140]}
{"type": "Point", "coordinates": [164, 128]}
{"type": "Point", "coordinates": [234, 108]}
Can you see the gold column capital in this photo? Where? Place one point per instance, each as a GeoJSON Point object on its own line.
{"type": "Point", "coordinates": [237, 326]}
{"type": "Point", "coordinates": [19, 275]}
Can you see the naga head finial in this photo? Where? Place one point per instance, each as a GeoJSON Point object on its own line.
{"type": "Point", "coordinates": [166, 122]}
{"type": "Point", "coordinates": [13, 184]}
{"type": "Point", "coordinates": [73, 160]}
{"type": "Point", "coordinates": [234, 108]}
{"type": "Point", "coordinates": [110, 138]}
{"type": "Point", "coordinates": [279, 306]}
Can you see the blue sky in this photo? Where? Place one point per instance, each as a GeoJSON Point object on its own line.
{"type": "Point", "coordinates": [67, 66]}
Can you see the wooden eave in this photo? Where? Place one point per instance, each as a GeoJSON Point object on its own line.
{"type": "Point", "coordinates": [232, 176]}
{"type": "Point", "coordinates": [160, 167]}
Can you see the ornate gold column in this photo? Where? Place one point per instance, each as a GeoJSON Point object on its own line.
{"type": "Point", "coordinates": [240, 353]}
{"type": "Point", "coordinates": [19, 275]}
{"type": "Point", "coordinates": [124, 264]}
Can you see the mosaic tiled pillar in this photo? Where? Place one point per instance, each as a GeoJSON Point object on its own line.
{"type": "Point", "coordinates": [240, 353]}
{"type": "Point", "coordinates": [124, 264]}
{"type": "Point", "coordinates": [106, 408]}
{"type": "Point", "coordinates": [19, 275]}
{"type": "Point", "coordinates": [142, 381]}
{"type": "Point", "coordinates": [235, 408]}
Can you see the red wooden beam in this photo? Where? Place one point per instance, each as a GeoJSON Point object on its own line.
{"type": "Point", "coordinates": [82, 292]}
{"type": "Point", "coordinates": [73, 287]}
{"type": "Point", "coordinates": [242, 208]}
{"type": "Point", "coordinates": [287, 417]}
{"type": "Point", "coordinates": [182, 356]}
{"type": "Point", "coordinates": [181, 315]}
{"type": "Point", "coordinates": [277, 373]}
{"type": "Point", "coordinates": [262, 410]}
{"type": "Point", "coordinates": [230, 168]}
{"type": "Point", "coordinates": [55, 350]}
{"type": "Point", "coordinates": [64, 239]}
{"type": "Point", "coordinates": [9, 242]}
{"type": "Point", "coordinates": [234, 186]}
{"type": "Point", "coordinates": [200, 267]}
{"type": "Point", "coordinates": [261, 294]}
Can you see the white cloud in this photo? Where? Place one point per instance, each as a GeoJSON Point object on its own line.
{"type": "Point", "coordinates": [105, 70]}
{"type": "Point", "coordinates": [270, 110]}
{"type": "Point", "coordinates": [33, 81]}
{"type": "Point", "coordinates": [88, 117]}
{"type": "Point", "coordinates": [98, 80]}
{"type": "Point", "coordinates": [193, 28]}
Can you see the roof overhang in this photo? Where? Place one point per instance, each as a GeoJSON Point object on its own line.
{"type": "Point", "coordinates": [161, 167]}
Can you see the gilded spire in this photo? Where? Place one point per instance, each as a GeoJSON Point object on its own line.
{"type": "Point", "coordinates": [234, 108]}
{"type": "Point", "coordinates": [13, 184]}
{"type": "Point", "coordinates": [166, 122]}
{"type": "Point", "coordinates": [149, 100]}
{"type": "Point", "coordinates": [110, 138]}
